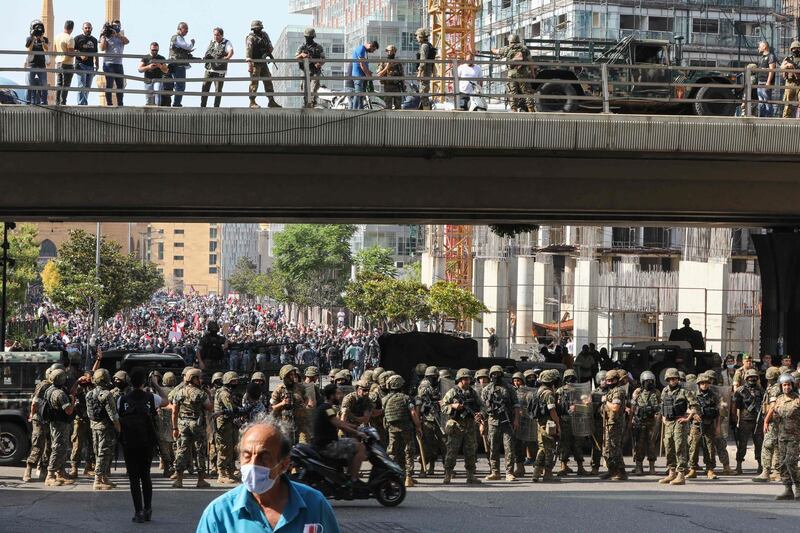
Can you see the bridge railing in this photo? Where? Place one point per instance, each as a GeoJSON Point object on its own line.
{"type": "Point", "coordinates": [557, 85]}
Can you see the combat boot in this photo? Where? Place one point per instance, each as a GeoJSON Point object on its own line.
{"type": "Point", "coordinates": [473, 480]}
{"type": "Point", "coordinates": [510, 477]}
{"type": "Point", "coordinates": [73, 473]}
{"type": "Point", "coordinates": [680, 479]}
{"type": "Point", "coordinates": [564, 469]}
{"type": "Point", "coordinates": [787, 493]}
{"type": "Point", "coordinates": [431, 469]}
{"type": "Point", "coordinates": [620, 475]}
{"type": "Point", "coordinates": [774, 476]}
{"type": "Point", "coordinates": [638, 470]}
{"type": "Point", "coordinates": [607, 475]}
{"type": "Point", "coordinates": [760, 468]}
{"type": "Point", "coordinates": [178, 483]}
{"type": "Point", "coordinates": [519, 470]}
{"type": "Point", "coordinates": [52, 481]}
{"type": "Point", "coordinates": [738, 468]}
{"type": "Point", "coordinates": [99, 483]}
{"type": "Point", "coordinates": [65, 480]}
{"type": "Point", "coordinates": [273, 103]}
{"type": "Point", "coordinates": [797, 492]}
{"type": "Point", "coordinates": [409, 482]}
{"type": "Point", "coordinates": [174, 475]}
{"type": "Point", "coordinates": [726, 470]}
{"type": "Point", "coordinates": [671, 474]}
{"type": "Point", "coordinates": [109, 482]}
{"type": "Point", "coordinates": [448, 475]}
{"type": "Point", "coordinates": [692, 474]}
{"type": "Point", "coordinates": [582, 471]}
{"type": "Point", "coordinates": [89, 470]}
{"type": "Point", "coordinates": [225, 480]}
{"type": "Point", "coordinates": [26, 476]}
{"type": "Point", "coordinates": [652, 471]}
{"type": "Point", "coordinates": [201, 482]}
{"type": "Point", "coordinates": [548, 476]}
{"type": "Point", "coordinates": [711, 474]}
{"type": "Point", "coordinates": [537, 473]}
{"type": "Point", "coordinates": [763, 477]}
{"type": "Point", "coordinates": [595, 470]}
{"type": "Point", "coordinates": [494, 476]}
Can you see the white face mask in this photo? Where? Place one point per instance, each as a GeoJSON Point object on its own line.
{"type": "Point", "coordinates": [257, 478]}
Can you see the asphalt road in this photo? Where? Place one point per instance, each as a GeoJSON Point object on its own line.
{"type": "Point", "coordinates": [728, 505]}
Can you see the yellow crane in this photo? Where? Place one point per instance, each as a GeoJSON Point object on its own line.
{"type": "Point", "coordinates": [453, 34]}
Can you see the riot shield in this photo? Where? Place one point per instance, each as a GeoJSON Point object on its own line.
{"type": "Point", "coordinates": [527, 423]}
{"type": "Point", "coordinates": [725, 398]}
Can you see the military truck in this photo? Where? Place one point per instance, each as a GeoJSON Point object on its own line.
{"type": "Point", "coordinates": [636, 357]}
{"type": "Point", "coordinates": [20, 372]}
{"type": "Point", "coordinates": [648, 89]}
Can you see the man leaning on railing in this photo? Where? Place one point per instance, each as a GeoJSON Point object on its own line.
{"type": "Point", "coordinates": [315, 54]}
{"type": "Point", "coordinates": [360, 72]}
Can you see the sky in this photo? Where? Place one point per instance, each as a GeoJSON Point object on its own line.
{"type": "Point", "coordinates": [145, 21]}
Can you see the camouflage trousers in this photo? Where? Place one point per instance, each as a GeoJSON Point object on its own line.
{"type": "Point", "coordinates": [81, 442]}
{"type": "Point", "coordinates": [226, 448]}
{"type": "Point", "coordinates": [769, 449]}
{"type": "Point", "coordinates": [788, 455]}
{"type": "Point", "coordinates": [546, 455]}
{"type": "Point", "coordinates": [612, 446]}
{"type": "Point", "coordinates": [516, 89]}
{"type": "Point", "coordinates": [298, 429]}
{"type": "Point", "coordinates": [568, 444]}
{"type": "Point", "coordinates": [104, 440]}
{"type": "Point", "coordinates": [40, 444]}
{"type": "Point", "coordinates": [747, 430]}
{"type": "Point", "coordinates": [260, 70]}
{"type": "Point", "coordinates": [501, 436]}
{"type": "Point", "coordinates": [676, 444]}
{"type": "Point", "coordinates": [166, 449]}
{"type": "Point", "coordinates": [383, 435]}
{"type": "Point", "coordinates": [646, 441]}
{"type": "Point", "coordinates": [433, 442]}
{"type": "Point", "coordinates": [192, 438]}
{"type": "Point", "coordinates": [392, 102]}
{"type": "Point", "coordinates": [425, 87]}
{"type": "Point", "coordinates": [401, 449]}
{"type": "Point", "coordinates": [791, 95]}
{"type": "Point", "coordinates": [702, 437]}
{"type": "Point", "coordinates": [59, 439]}
{"type": "Point", "coordinates": [459, 435]}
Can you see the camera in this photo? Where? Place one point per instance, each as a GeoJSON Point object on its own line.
{"type": "Point", "coordinates": [37, 28]}
{"type": "Point", "coordinates": [109, 29]}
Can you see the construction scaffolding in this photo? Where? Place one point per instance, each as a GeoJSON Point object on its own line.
{"type": "Point", "coordinates": [453, 34]}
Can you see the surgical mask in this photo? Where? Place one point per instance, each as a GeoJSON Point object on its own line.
{"type": "Point", "coordinates": [257, 478]}
{"type": "Point", "coordinates": [730, 367]}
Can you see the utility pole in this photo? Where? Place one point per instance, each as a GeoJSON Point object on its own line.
{"type": "Point", "coordinates": [7, 262]}
{"type": "Point", "coordinates": [97, 278]}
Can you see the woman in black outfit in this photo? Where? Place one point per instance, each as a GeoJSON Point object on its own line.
{"type": "Point", "coordinates": [137, 416]}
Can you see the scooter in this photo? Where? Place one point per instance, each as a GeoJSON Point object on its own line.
{"type": "Point", "coordinates": [330, 477]}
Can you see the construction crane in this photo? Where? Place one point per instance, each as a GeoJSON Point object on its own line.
{"type": "Point", "coordinates": [453, 34]}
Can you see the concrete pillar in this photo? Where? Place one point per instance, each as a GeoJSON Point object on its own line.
{"type": "Point", "coordinates": [526, 265]}
{"type": "Point", "coordinates": [607, 238]}
{"type": "Point", "coordinates": [432, 268]}
{"type": "Point", "coordinates": [703, 299]}
{"type": "Point", "coordinates": [478, 268]}
{"type": "Point", "coordinates": [543, 289]}
{"type": "Point", "coordinates": [585, 302]}
{"type": "Point", "coordinates": [495, 296]}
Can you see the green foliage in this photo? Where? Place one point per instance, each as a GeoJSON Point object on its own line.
{"type": "Point", "coordinates": [413, 271]}
{"type": "Point", "coordinates": [398, 304]}
{"type": "Point", "coordinates": [512, 230]}
{"type": "Point", "coordinates": [123, 281]}
{"type": "Point", "coordinates": [448, 300]}
{"type": "Point", "coordinates": [23, 248]}
{"type": "Point", "coordinates": [312, 263]}
{"type": "Point", "coordinates": [241, 280]}
{"type": "Point", "coordinates": [375, 260]}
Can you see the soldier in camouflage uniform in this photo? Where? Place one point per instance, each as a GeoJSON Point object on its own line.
{"type": "Point", "coordinates": [568, 396]}
{"type": "Point", "coordinates": [377, 394]}
{"type": "Point", "coordinates": [769, 449]}
{"type": "Point", "coordinates": [747, 402]}
{"type": "Point", "coordinates": [546, 413]}
{"type": "Point", "coordinates": [739, 375]}
{"type": "Point", "coordinates": [428, 397]}
{"type": "Point", "coordinates": [518, 59]}
{"type": "Point", "coordinates": [216, 384]}
{"type": "Point", "coordinates": [121, 387]}
{"type": "Point", "coordinates": [61, 407]}
{"type": "Point", "coordinates": [598, 398]}
{"type": "Point", "coordinates": [614, 426]}
{"type": "Point", "coordinates": [526, 436]}
{"type": "Point", "coordinates": [646, 411]}
{"type": "Point", "coordinates": [188, 427]}
{"type": "Point", "coordinates": [786, 409]}
{"type": "Point", "coordinates": [402, 421]}
{"type": "Point", "coordinates": [463, 407]}
{"type": "Point", "coordinates": [104, 421]}
{"type": "Point", "coordinates": [675, 404]}
{"type": "Point", "coordinates": [315, 54]}
{"type": "Point", "coordinates": [356, 408]}
{"type": "Point", "coordinates": [166, 442]}
{"type": "Point", "coordinates": [81, 430]}
{"type": "Point", "coordinates": [503, 411]}
{"type": "Point", "coordinates": [290, 404]}
{"type": "Point", "coordinates": [258, 48]}
{"type": "Point", "coordinates": [705, 427]}
{"type": "Point", "coordinates": [226, 434]}
{"type": "Point", "coordinates": [424, 69]}
{"type": "Point", "coordinates": [40, 433]}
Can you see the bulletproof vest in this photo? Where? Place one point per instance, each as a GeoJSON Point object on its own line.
{"type": "Point", "coordinates": [216, 51]}
{"type": "Point", "coordinates": [94, 407]}
{"type": "Point", "coordinates": [260, 45]}
{"type": "Point", "coordinates": [212, 346]}
{"type": "Point", "coordinates": [314, 51]}
{"type": "Point", "coordinates": [175, 52]}
{"type": "Point", "coordinates": [566, 400]}
{"type": "Point", "coordinates": [467, 399]}
{"type": "Point", "coordinates": [517, 52]}
{"type": "Point", "coordinates": [538, 407]}
{"type": "Point", "coordinates": [52, 412]}
{"type": "Point", "coordinates": [674, 407]}
{"type": "Point", "coordinates": [645, 410]}
{"type": "Point", "coordinates": [750, 399]}
{"type": "Point", "coordinates": [395, 408]}
{"type": "Point", "coordinates": [709, 409]}
{"type": "Point", "coordinates": [188, 408]}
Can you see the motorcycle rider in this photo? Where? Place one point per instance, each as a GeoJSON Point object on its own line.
{"type": "Point", "coordinates": [326, 440]}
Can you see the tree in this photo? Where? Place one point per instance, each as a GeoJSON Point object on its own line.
{"type": "Point", "coordinates": [266, 286]}
{"type": "Point", "coordinates": [312, 263]}
{"type": "Point", "coordinates": [51, 279]}
{"type": "Point", "coordinates": [448, 300]}
{"type": "Point", "coordinates": [375, 260]}
{"type": "Point", "coordinates": [241, 279]}
{"type": "Point", "coordinates": [512, 230]}
{"type": "Point", "coordinates": [122, 281]}
{"type": "Point", "coordinates": [23, 248]}
{"type": "Point", "coordinates": [393, 303]}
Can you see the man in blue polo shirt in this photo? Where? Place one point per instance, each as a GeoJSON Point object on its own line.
{"type": "Point", "coordinates": [360, 71]}
{"type": "Point", "coordinates": [267, 500]}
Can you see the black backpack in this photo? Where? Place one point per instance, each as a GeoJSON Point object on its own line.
{"type": "Point", "coordinates": [137, 416]}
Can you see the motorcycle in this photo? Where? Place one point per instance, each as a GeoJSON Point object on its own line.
{"type": "Point", "coordinates": [330, 477]}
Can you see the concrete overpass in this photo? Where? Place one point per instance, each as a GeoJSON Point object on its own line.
{"type": "Point", "coordinates": [294, 164]}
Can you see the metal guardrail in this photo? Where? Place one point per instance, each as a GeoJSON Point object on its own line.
{"type": "Point", "coordinates": [555, 85]}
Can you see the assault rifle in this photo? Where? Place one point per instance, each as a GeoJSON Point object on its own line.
{"type": "Point", "coordinates": [497, 407]}
{"type": "Point", "coordinates": [470, 407]}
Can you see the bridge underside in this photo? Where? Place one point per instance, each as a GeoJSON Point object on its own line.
{"type": "Point", "coordinates": [150, 164]}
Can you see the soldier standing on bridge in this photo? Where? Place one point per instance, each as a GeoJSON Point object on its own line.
{"type": "Point", "coordinates": [424, 68]}
{"type": "Point", "coordinates": [258, 49]}
{"type": "Point", "coordinates": [518, 59]}
{"type": "Point", "coordinates": [791, 92]}
{"type": "Point", "coordinates": [315, 54]}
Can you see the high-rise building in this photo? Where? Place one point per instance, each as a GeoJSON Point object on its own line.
{"type": "Point", "coordinates": [188, 255]}
{"type": "Point", "coordinates": [238, 241]}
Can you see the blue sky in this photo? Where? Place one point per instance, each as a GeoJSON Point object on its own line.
{"type": "Point", "coordinates": [150, 20]}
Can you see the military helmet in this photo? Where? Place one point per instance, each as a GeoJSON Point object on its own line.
{"type": "Point", "coordinates": [395, 382]}
{"type": "Point", "coordinates": [53, 367]}
{"type": "Point", "coordinates": [185, 370]}
{"type": "Point", "coordinates": [382, 379]}
{"type": "Point", "coordinates": [310, 32]}
{"type": "Point", "coordinates": [786, 378]}
{"type": "Point", "coordinates": [344, 374]}
{"type": "Point", "coordinates": [312, 372]}
{"type": "Point", "coordinates": [216, 376]}
{"type": "Point", "coordinates": [795, 44]}
{"type": "Point", "coordinates": [752, 373]}
{"type": "Point", "coordinates": [548, 376]}
{"type": "Point", "coordinates": [611, 374]}
{"type": "Point", "coordinates": [518, 375]}
{"type": "Point", "coordinates": [496, 369]}
{"type": "Point", "coordinates": [431, 371]}
{"type": "Point", "coordinates": [101, 377]}
{"type": "Point", "coordinates": [367, 375]}
{"type": "Point", "coordinates": [513, 38]}
{"type": "Point", "coordinates": [681, 375]}
{"type": "Point", "coordinates": [528, 373]}
{"type": "Point", "coordinates": [691, 378]}
{"type": "Point", "coordinates": [362, 384]}
{"type": "Point", "coordinates": [422, 31]}
{"type": "Point", "coordinates": [58, 377]}
{"type": "Point", "coordinates": [258, 375]}
{"type": "Point", "coordinates": [377, 372]}
{"type": "Point", "coordinates": [286, 370]}
{"type": "Point", "coordinates": [191, 374]}
{"type": "Point", "coordinates": [702, 378]}
{"type": "Point", "coordinates": [601, 376]}
{"type": "Point", "coordinates": [570, 373]}
{"type": "Point", "coordinates": [121, 375]}
{"type": "Point", "coordinates": [333, 372]}
{"type": "Point", "coordinates": [445, 373]}
{"type": "Point", "coordinates": [420, 369]}
{"type": "Point", "coordinates": [229, 377]}
{"type": "Point", "coordinates": [376, 376]}
{"type": "Point", "coordinates": [169, 379]}
{"type": "Point", "coordinates": [481, 373]}
{"type": "Point", "coordinates": [647, 376]}
{"type": "Point", "coordinates": [57, 366]}
{"type": "Point", "coordinates": [795, 375]}
{"type": "Point", "coordinates": [672, 373]}
{"type": "Point", "coordinates": [712, 376]}
{"type": "Point", "coordinates": [462, 373]}
{"type": "Point", "coordinates": [256, 25]}
{"type": "Point", "coordinates": [783, 370]}
{"type": "Point", "coordinates": [773, 373]}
